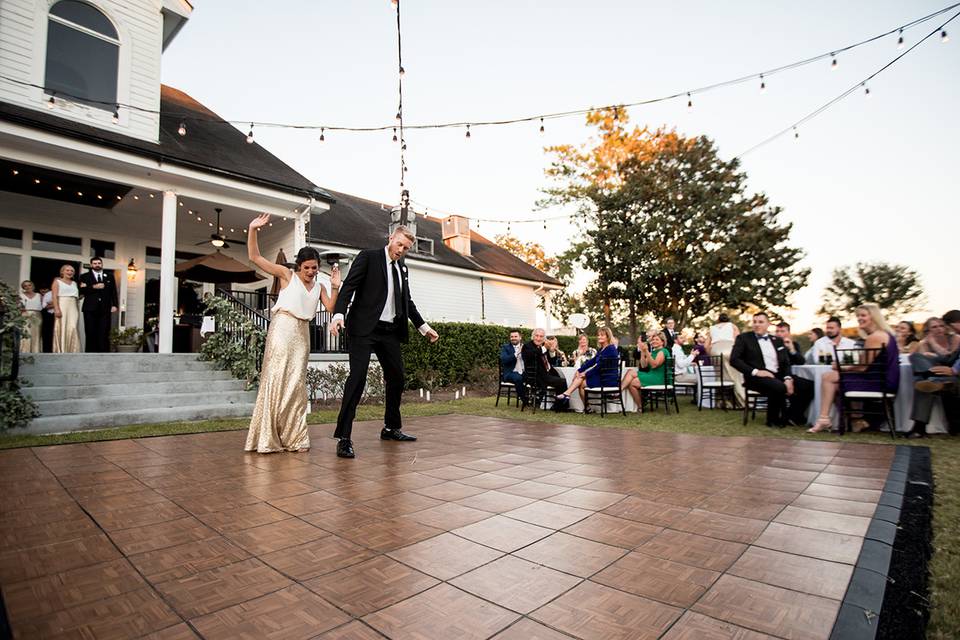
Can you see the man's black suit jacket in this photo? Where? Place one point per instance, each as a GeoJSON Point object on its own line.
{"type": "Point", "coordinates": [746, 355]}
{"type": "Point", "coordinates": [98, 300]}
{"type": "Point", "coordinates": [365, 290]}
{"type": "Point", "coordinates": [534, 359]}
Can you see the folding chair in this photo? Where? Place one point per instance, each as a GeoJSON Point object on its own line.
{"type": "Point", "coordinates": [508, 387]}
{"type": "Point", "coordinates": [601, 396]}
{"type": "Point", "coordinates": [863, 382]}
{"type": "Point", "coordinates": [713, 384]}
{"type": "Point", "coordinates": [652, 394]}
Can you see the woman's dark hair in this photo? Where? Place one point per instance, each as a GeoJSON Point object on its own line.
{"type": "Point", "coordinates": [817, 331]}
{"type": "Point", "coordinates": [723, 318]}
{"type": "Point", "coordinates": [912, 331]}
{"type": "Point", "coordinates": [307, 253]}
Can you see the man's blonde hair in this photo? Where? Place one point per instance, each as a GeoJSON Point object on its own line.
{"type": "Point", "coordinates": [405, 232]}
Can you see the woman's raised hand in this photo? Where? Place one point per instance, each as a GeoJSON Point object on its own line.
{"type": "Point", "coordinates": [335, 276]}
{"type": "Point", "coordinates": [260, 221]}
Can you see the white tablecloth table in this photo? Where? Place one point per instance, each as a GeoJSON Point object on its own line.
{"type": "Point", "coordinates": [902, 405]}
{"type": "Point", "coordinates": [576, 404]}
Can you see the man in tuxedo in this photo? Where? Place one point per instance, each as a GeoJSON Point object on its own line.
{"type": "Point", "coordinates": [670, 330]}
{"type": "Point", "coordinates": [99, 291]}
{"type": "Point", "coordinates": [378, 293]}
{"type": "Point", "coordinates": [511, 363]}
{"type": "Point", "coordinates": [537, 367]}
{"type": "Point", "coordinates": [783, 332]}
{"type": "Point", "coordinates": [765, 365]}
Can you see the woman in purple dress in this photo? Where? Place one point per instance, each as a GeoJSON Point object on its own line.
{"type": "Point", "coordinates": [879, 373]}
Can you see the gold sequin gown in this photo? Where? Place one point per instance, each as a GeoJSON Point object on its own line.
{"type": "Point", "coordinates": [66, 337]}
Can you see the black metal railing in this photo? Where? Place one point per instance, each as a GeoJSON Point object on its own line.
{"type": "Point", "coordinates": [9, 354]}
{"type": "Point", "coordinates": [258, 305]}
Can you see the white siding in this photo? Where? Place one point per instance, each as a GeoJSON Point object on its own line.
{"type": "Point", "coordinates": [23, 28]}
{"type": "Point", "coordinates": [510, 304]}
{"type": "Point", "coordinates": [445, 297]}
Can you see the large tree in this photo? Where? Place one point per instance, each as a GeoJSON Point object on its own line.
{"type": "Point", "coordinates": [894, 287]}
{"type": "Point", "coordinates": [530, 252]}
{"type": "Point", "coordinates": [669, 227]}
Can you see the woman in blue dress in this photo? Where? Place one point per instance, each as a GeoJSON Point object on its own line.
{"type": "Point", "coordinates": [602, 370]}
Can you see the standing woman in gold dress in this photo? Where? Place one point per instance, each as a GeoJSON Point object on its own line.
{"type": "Point", "coordinates": [66, 311]}
{"type": "Point", "coordinates": [279, 420]}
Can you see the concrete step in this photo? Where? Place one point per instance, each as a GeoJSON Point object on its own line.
{"type": "Point", "coordinates": [107, 419]}
{"type": "Point", "coordinates": [115, 362]}
{"type": "Point", "coordinates": [45, 393]}
{"type": "Point", "coordinates": [106, 376]}
{"type": "Point", "coordinates": [142, 402]}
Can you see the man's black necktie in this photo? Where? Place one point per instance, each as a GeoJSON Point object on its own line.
{"type": "Point", "coordinates": [397, 292]}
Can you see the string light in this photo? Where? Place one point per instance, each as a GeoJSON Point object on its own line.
{"type": "Point", "coordinates": [250, 134]}
{"type": "Point", "coordinates": [182, 129]}
{"type": "Point", "coordinates": [796, 134]}
{"type": "Point", "coordinates": [15, 172]}
{"type": "Point", "coordinates": [833, 62]}
{"type": "Point", "coordinates": [321, 134]}
{"type": "Point", "coordinates": [866, 90]}
{"type": "Point", "coordinates": [944, 37]}
{"type": "Point", "coordinates": [689, 102]}
{"type": "Point", "coordinates": [402, 72]}
{"type": "Point", "coordinates": [394, 134]}
{"type": "Point", "coordinates": [36, 181]}
{"type": "Point", "coordinates": [763, 84]}
{"type": "Point", "coordinates": [900, 40]}
{"type": "Point", "coordinates": [468, 131]}
{"type": "Point", "coordinates": [541, 126]}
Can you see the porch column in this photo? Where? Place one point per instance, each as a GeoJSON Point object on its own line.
{"type": "Point", "coordinates": [548, 308]}
{"type": "Point", "coordinates": [168, 286]}
{"type": "Point", "coordinates": [300, 230]}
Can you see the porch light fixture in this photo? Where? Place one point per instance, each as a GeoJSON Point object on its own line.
{"type": "Point", "coordinates": [131, 270]}
{"type": "Point", "coordinates": [217, 242]}
{"type": "Point", "coordinates": [182, 129]}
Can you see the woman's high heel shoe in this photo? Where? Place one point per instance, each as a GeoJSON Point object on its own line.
{"type": "Point", "coordinates": [823, 423]}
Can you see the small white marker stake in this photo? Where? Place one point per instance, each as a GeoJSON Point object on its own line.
{"type": "Point", "coordinates": [421, 392]}
{"type": "Point", "coordinates": [428, 396]}
{"type": "Point", "coordinates": [456, 395]}
{"type": "Point", "coordinates": [463, 392]}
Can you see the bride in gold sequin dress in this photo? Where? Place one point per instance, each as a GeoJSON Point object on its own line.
{"type": "Point", "coordinates": [279, 420]}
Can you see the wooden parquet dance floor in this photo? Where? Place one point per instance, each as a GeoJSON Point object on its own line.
{"type": "Point", "coordinates": [484, 528]}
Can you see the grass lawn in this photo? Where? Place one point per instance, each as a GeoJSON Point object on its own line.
{"type": "Point", "coordinates": [944, 567]}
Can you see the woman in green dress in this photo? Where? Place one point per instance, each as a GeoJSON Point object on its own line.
{"type": "Point", "coordinates": [651, 360]}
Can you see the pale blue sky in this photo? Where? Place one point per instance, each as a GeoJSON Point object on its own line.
{"type": "Point", "coordinates": [870, 179]}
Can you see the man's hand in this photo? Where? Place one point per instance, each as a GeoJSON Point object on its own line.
{"type": "Point", "coordinates": [789, 385]}
{"type": "Point", "coordinates": [432, 336]}
{"type": "Point", "coordinates": [788, 343]}
{"type": "Point", "coordinates": [335, 327]}
{"type": "Point", "coordinates": [98, 285]}
{"type": "Point", "coordinates": [763, 373]}
{"type": "Point", "coordinates": [113, 309]}
{"type": "Point", "coordinates": [941, 370]}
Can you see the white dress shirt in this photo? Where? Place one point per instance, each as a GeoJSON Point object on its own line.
{"type": "Point", "coordinates": [518, 368]}
{"type": "Point", "coordinates": [681, 360]}
{"type": "Point", "coordinates": [48, 300]}
{"type": "Point", "coordinates": [770, 362]}
{"type": "Point", "coordinates": [824, 346]}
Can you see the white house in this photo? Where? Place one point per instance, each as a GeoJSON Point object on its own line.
{"type": "Point", "coordinates": [98, 158]}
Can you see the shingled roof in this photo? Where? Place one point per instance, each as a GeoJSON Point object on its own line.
{"type": "Point", "coordinates": [211, 144]}
{"type": "Point", "coordinates": [358, 223]}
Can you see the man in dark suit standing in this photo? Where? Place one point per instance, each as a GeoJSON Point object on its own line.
{"type": "Point", "coordinates": [536, 365]}
{"type": "Point", "coordinates": [99, 291]}
{"type": "Point", "coordinates": [378, 293]}
{"type": "Point", "coordinates": [670, 331]}
{"type": "Point", "coordinates": [765, 364]}
{"type": "Point", "coordinates": [511, 363]}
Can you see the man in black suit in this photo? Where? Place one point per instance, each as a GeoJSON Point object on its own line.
{"type": "Point", "coordinates": [378, 293]}
{"type": "Point", "coordinates": [670, 331]}
{"type": "Point", "coordinates": [783, 332]}
{"type": "Point", "coordinates": [99, 291]}
{"type": "Point", "coordinates": [537, 367]}
{"type": "Point", "coordinates": [765, 365]}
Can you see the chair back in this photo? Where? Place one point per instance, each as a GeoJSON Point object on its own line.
{"type": "Point", "coordinates": [862, 369]}
{"type": "Point", "coordinates": [711, 372]}
{"type": "Point", "coordinates": [669, 371]}
{"type": "Point", "coordinates": [610, 369]}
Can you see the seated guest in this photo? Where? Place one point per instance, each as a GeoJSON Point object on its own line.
{"type": "Point", "coordinates": [952, 318]}
{"type": "Point", "coordinates": [906, 337]}
{"type": "Point", "coordinates": [536, 366]}
{"type": "Point", "coordinates": [512, 364]}
{"type": "Point", "coordinates": [670, 332]}
{"type": "Point", "coordinates": [813, 335]}
{"type": "Point", "coordinates": [700, 348]}
{"type": "Point", "coordinates": [584, 351]}
{"type": "Point", "coordinates": [556, 357]}
{"type": "Point", "coordinates": [682, 362]}
{"type": "Point", "coordinates": [885, 364]}
{"type": "Point", "coordinates": [783, 332]}
{"type": "Point", "coordinates": [765, 365]}
{"type": "Point", "coordinates": [832, 338]}
{"type": "Point", "coordinates": [602, 370]}
{"type": "Point", "coordinates": [653, 357]}
{"type": "Point", "coordinates": [935, 363]}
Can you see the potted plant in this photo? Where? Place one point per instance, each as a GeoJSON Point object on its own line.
{"type": "Point", "coordinates": [126, 340]}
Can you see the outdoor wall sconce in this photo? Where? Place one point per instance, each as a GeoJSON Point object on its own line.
{"type": "Point", "coordinates": [131, 270]}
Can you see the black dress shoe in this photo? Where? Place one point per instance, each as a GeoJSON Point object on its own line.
{"type": "Point", "coordinates": [396, 434]}
{"type": "Point", "coordinates": [345, 449]}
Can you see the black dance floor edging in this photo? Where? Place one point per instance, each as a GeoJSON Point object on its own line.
{"type": "Point", "coordinates": [887, 595]}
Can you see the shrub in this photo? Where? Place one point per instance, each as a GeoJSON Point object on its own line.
{"type": "Point", "coordinates": [15, 409]}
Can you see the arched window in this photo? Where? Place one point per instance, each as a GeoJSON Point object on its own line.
{"type": "Point", "coordinates": [83, 53]}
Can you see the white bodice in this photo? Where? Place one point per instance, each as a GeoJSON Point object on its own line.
{"type": "Point", "coordinates": [296, 300]}
{"type": "Point", "coordinates": [68, 290]}
{"type": "Point", "coordinates": [32, 304]}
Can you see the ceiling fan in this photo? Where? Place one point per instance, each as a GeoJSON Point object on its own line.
{"type": "Point", "coordinates": [219, 240]}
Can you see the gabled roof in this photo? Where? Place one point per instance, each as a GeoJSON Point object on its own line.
{"type": "Point", "coordinates": [211, 144]}
{"type": "Point", "coordinates": [357, 223]}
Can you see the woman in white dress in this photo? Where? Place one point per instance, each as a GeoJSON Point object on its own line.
{"type": "Point", "coordinates": [719, 342]}
{"type": "Point", "coordinates": [66, 312]}
{"type": "Point", "coordinates": [279, 420]}
{"type": "Point", "coordinates": [32, 303]}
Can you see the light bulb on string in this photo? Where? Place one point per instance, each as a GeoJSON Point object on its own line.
{"type": "Point", "coordinates": [399, 116]}
{"type": "Point", "coordinates": [866, 90]}
{"type": "Point", "coordinates": [689, 102]}
{"type": "Point", "coordinates": [763, 84]}
{"type": "Point", "coordinates": [468, 131]}
{"type": "Point", "coordinates": [321, 134]}
{"type": "Point", "coordinates": [541, 126]}
{"type": "Point", "coordinates": [944, 37]}
{"type": "Point", "coordinates": [900, 40]}
{"type": "Point", "coordinates": [833, 64]}
{"type": "Point", "coordinates": [402, 72]}
{"type": "Point", "coordinates": [394, 134]}
{"type": "Point", "coordinates": [796, 134]}
{"type": "Point", "coordinates": [250, 134]}
{"type": "Point", "coordinates": [544, 225]}
{"type": "Point", "coordinates": [182, 129]}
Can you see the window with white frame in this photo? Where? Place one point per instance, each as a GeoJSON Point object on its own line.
{"type": "Point", "coordinates": [83, 52]}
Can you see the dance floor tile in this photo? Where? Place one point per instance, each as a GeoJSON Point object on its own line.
{"type": "Point", "coordinates": [571, 554]}
{"type": "Point", "coordinates": [441, 612]}
{"type": "Point", "coordinates": [671, 582]}
{"type": "Point", "coordinates": [769, 609]}
{"type": "Point", "coordinates": [291, 613]}
{"type": "Point", "coordinates": [591, 611]}
{"type": "Point", "coordinates": [371, 585]}
{"type": "Point", "coordinates": [610, 533]}
{"type": "Point", "coordinates": [445, 556]}
{"type": "Point", "coordinates": [516, 584]}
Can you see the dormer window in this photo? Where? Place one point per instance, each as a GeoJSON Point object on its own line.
{"type": "Point", "coordinates": [83, 52]}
